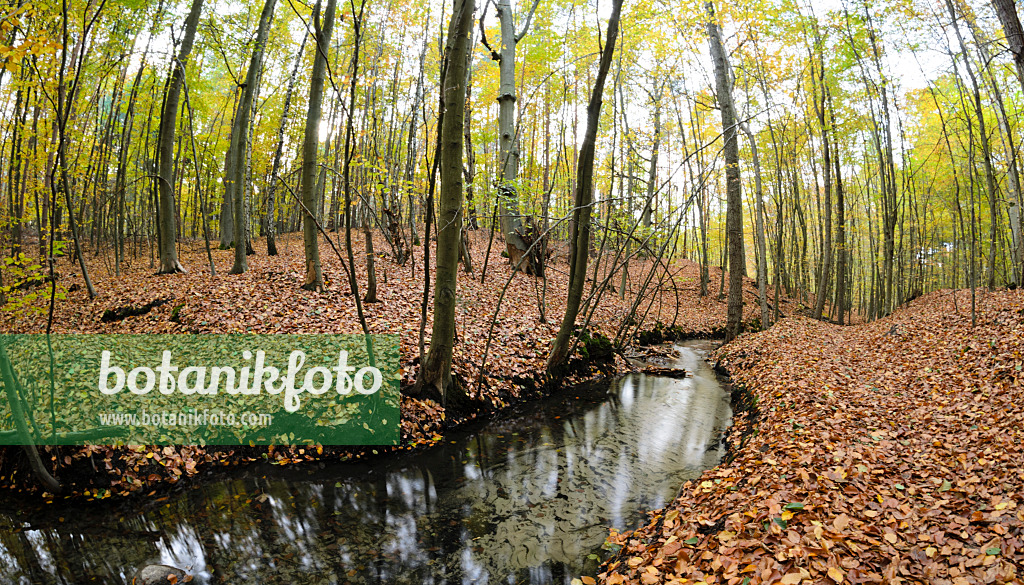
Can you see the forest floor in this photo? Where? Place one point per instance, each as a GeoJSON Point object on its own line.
{"type": "Point", "coordinates": [268, 299]}
{"type": "Point", "coordinates": [889, 452]}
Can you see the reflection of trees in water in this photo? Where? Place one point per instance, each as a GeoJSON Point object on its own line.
{"type": "Point", "coordinates": [529, 505]}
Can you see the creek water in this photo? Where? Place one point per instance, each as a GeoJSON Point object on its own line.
{"type": "Point", "coordinates": [526, 499]}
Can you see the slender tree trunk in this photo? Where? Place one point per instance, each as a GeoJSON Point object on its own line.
{"type": "Point", "coordinates": [435, 376]}
{"type": "Point", "coordinates": [511, 223]}
{"type": "Point", "coordinates": [762, 258]}
{"type": "Point", "coordinates": [825, 276]}
{"type": "Point", "coordinates": [271, 222]}
{"type": "Point", "coordinates": [349, 152]}
{"type": "Point", "coordinates": [652, 173]}
{"type": "Point", "coordinates": [227, 209]}
{"type": "Point", "coordinates": [314, 279]}
{"type": "Point", "coordinates": [734, 200]}
{"type": "Point", "coordinates": [580, 233]}
{"type": "Point", "coordinates": [1007, 12]}
{"type": "Point", "coordinates": [986, 152]}
{"type": "Point", "coordinates": [371, 269]}
{"type": "Point", "coordinates": [168, 123]}
{"type": "Point", "coordinates": [469, 169]}
{"type": "Point", "coordinates": [240, 168]}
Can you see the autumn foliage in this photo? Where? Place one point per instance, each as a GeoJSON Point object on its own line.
{"type": "Point", "coordinates": [268, 299]}
{"type": "Point", "coordinates": [882, 453]}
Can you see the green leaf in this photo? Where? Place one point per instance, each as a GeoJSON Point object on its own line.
{"type": "Point", "coordinates": [993, 551]}
{"type": "Point", "coordinates": [593, 557]}
{"type": "Point", "coordinates": [900, 486]}
{"type": "Point", "coordinates": [946, 486]}
{"type": "Point", "coordinates": [692, 540]}
{"type": "Point", "coordinates": [794, 506]}
{"type": "Point", "coordinates": [781, 522]}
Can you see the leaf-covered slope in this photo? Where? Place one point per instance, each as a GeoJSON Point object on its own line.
{"type": "Point", "coordinates": [883, 453]}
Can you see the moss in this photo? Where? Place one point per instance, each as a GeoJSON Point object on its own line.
{"type": "Point", "coordinates": [596, 347]}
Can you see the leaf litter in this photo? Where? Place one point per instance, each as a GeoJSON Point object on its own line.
{"type": "Point", "coordinates": [889, 452]}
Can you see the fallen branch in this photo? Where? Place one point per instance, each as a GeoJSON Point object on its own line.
{"type": "Point", "coordinates": [121, 313]}
{"type": "Point", "coordinates": [666, 372]}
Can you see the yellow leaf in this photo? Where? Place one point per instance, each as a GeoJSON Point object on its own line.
{"type": "Point", "coordinates": [588, 580]}
{"type": "Point", "coordinates": [792, 579]}
{"type": "Point", "coordinates": [836, 574]}
{"type": "Point", "coordinates": [930, 551]}
{"type": "Point", "coordinates": [890, 537]}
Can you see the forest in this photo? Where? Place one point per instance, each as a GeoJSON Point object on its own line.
{"type": "Point", "coordinates": [532, 198]}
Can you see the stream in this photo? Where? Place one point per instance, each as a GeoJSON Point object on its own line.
{"type": "Point", "coordinates": [529, 498]}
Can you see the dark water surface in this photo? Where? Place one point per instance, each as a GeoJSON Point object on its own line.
{"type": "Point", "coordinates": [522, 500]}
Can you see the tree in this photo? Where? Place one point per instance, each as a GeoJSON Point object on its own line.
{"type": "Point", "coordinates": [762, 259]}
{"type": "Point", "coordinates": [734, 200]}
{"type": "Point", "coordinates": [435, 377]}
{"type": "Point", "coordinates": [820, 91]}
{"type": "Point", "coordinates": [579, 242]}
{"type": "Point", "coordinates": [986, 150]}
{"type": "Point", "coordinates": [1007, 12]}
{"type": "Point", "coordinates": [168, 213]}
{"type": "Point", "coordinates": [314, 279]}
{"type": "Point", "coordinates": [508, 154]}
{"type": "Point", "coordinates": [241, 135]}
{"type": "Point", "coordinates": [271, 222]}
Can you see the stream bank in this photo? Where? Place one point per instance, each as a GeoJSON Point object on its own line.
{"type": "Point", "coordinates": [528, 498]}
{"type": "Point", "coordinates": [888, 452]}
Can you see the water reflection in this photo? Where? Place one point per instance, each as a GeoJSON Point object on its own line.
{"type": "Point", "coordinates": [519, 500]}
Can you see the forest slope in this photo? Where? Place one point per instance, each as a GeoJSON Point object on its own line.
{"type": "Point", "coordinates": [888, 452]}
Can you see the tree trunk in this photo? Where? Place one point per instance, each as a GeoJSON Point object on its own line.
{"type": "Point", "coordinates": [652, 173]}
{"type": "Point", "coordinates": [824, 277]}
{"type": "Point", "coordinates": [227, 215]}
{"type": "Point", "coordinates": [14, 400]}
{"type": "Point", "coordinates": [762, 259]}
{"type": "Point", "coordinates": [271, 223]}
{"type": "Point", "coordinates": [986, 152]}
{"type": "Point", "coordinates": [511, 223]}
{"type": "Point", "coordinates": [435, 376]}
{"type": "Point", "coordinates": [464, 255]}
{"type": "Point", "coordinates": [168, 214]}
{"type": "Point", "coordinates": [469, 169]}
{"type": "Point", "coordinates": [245, 106]}
{"type": "Point", "coordinates": [579, 251]}
{"type": "Point", "coordinates": [314, 279]}
{"type": "Point", "coordinates": [734, 200]}
{"type": "Point", "coordinates": [371, 269]}
{"type": "Point", "coordinates": [1007, 12]}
